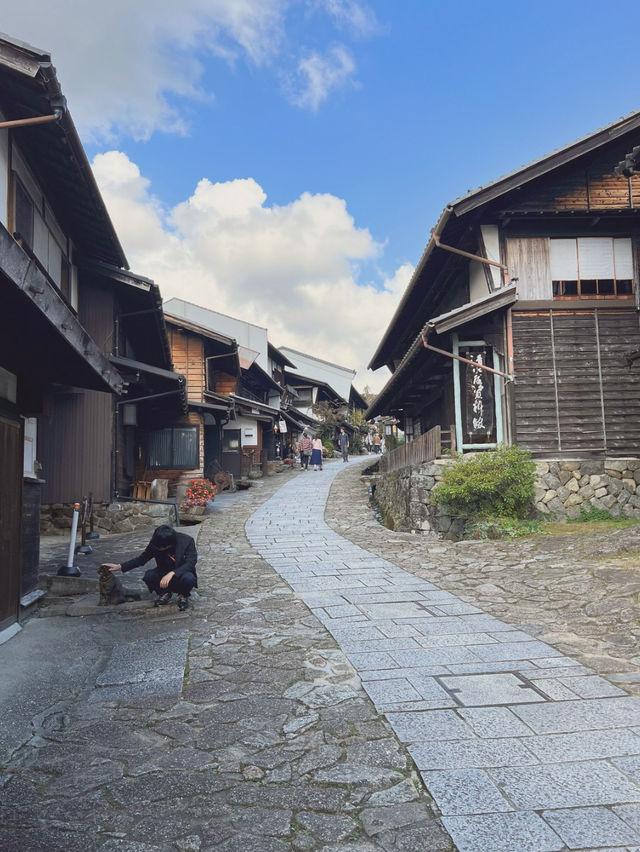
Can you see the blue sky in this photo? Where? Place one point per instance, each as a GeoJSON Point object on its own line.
{"type": "Point", "coordinates": [285, 160]}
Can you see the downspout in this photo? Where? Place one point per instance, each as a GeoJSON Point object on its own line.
{"type": "Point", "coordinates": [508, 377]}
{"type": "Point", "coordinates": [505, 271]}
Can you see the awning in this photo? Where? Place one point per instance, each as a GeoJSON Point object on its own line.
{"type": "Point", "coordinates": [252, 404]}
{"type": "Point", "coordinates": [473, 310]}
{"type": "Point", "coordinates": [171, 382]}
{"type": "Point", "coordinates": [291, 420]}
{"type": "Point", "coordinates": [440, 324]}
{"type": "Point", "coordinates": [210, 406]}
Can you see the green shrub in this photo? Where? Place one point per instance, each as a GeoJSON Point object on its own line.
{"type": "Point", "coordinates": [494, 528]}
{"type": "Point", "coordinates": [328, 450]}
{"type": "Point", "coordinates": [355, 444]}
{"type": "Point", "coordinates": [498, 483]}
{"type": "Point", "coordinates": [591, 513]}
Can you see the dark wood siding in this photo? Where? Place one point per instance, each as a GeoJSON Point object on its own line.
{"type": "Point", "coordinates": [589, 185]}
{"type": "Point", "coordinates": [574, 391]}
{"type": "Point", "coordinates": [618, 336]}
{"type": "Point", "coordinates": [74, 446]}
{"type": "Point", "coordinates": [95, 312]}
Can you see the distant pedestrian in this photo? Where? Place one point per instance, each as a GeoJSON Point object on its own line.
{"type": "Point", "coordinates": [383, 445]}
{"type": "Point", "coordinates": [176, 556]}
{"type": "Point", "coordinates": [316, 453]}
{"type": "Point", "coordinates": [305, 448]}
{"type": "Point", "coordinates": [343, 444]}
{"type": "Point", "coordinates": [377, 442]}
{"type": "Point", "coordinates": [367, 442]}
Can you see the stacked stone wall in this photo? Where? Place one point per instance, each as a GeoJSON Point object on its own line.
{"type": "Point", "coordinates": [117, 517]}
{"type": "Point", "coordinates": [563, 490]}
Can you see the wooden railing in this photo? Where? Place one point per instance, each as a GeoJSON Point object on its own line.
{"type": "Point", "coordinates": [423, 449]}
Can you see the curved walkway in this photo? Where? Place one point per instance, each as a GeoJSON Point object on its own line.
{"type": "Point", "coordinates": [521, 747]}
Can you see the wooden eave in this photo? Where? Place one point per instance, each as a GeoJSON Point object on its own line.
{"type": "Point", "coordinates": [29, 88]}
{"type": "Point", "coordinates": [473, 310]}
{"type": "Point", "coordinates": [141, 314]}
{"type": "Point", "coordinates": [276, 355]}
{"type": "Point", "coordinates": [455, 222]}
{"type": "Point", "coordinates": [41, 338]}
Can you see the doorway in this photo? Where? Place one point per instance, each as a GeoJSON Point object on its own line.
{"type": "Point", "coordinates": [11, 459]}
{"type": "Point", "coordinates": [232, 451]}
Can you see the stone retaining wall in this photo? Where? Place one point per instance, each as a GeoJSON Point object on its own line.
{"type": "Point", "coordinates": [563, 489]}
{"type": "Point", "coordinates": [55, 518]}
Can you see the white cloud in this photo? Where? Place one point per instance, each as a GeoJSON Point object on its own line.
{"type": "Point", "coordinates": [319, 75]}
{"type": "Point", "coordinates": [290, 268]}
{"type": "Point", "coordinates": [359, 19]}
{"type": "Point", "coordinates": [127, 68]}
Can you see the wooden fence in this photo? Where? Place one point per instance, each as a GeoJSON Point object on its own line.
{"type": "Point", "coordinates": [423, 449]}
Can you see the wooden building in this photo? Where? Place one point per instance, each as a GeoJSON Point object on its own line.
{"type": "Point", "coordinates": [317, 381]}
{"type": "Point", "coordinates": [234, 390]}
{"type": "Point", "coordinates": [81, 338]}
{"type": "Point", "coordinates": [536, 277]}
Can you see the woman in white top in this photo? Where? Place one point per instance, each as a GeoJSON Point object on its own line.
{"type": "Point", "coordinates": [316, 453]}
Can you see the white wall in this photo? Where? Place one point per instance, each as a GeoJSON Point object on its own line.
{"type": "Point", "coordinates": [248, 427]}
{"type": "Point", "coordinates": [339, 378]}
{"type": "Point", "coordinates": [245, 333]}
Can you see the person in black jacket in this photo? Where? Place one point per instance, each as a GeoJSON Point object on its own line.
{"type": "Point", "coordinates": [175, 571]}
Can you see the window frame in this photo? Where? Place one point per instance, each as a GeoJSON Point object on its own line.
{"type": "Point", "coordinates": [172, 452]}
{"type": "Point", "coordinates": [557, 285]}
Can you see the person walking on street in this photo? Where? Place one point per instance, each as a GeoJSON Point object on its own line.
{"type": "Point", "coordinates": [377, 442]}
{"type": "Point", "coordinates": [305, 448]}
{"type": "Point", "coordinates": [175, 571]}
{"type": "Point", "coordinates": [316, 453]}
{"type": "Point", "coordinates": [343, 443]}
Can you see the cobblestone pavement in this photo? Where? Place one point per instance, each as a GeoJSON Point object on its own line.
{"type": "Point", "coordinates": [521, 746]}
{"type": "Point", "coordinates": [238, 725]}
{"type": "Point", "coordinates": [579, 593]}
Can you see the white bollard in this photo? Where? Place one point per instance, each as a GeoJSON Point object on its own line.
{"type": "Point", "coordinates": [71, 570]}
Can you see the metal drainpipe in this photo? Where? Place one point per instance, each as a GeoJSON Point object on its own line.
{"type": "Point", "coordinates": [505, 270]}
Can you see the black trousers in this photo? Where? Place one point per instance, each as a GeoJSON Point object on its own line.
{"type": "Point", "coordinates": [181, 585]}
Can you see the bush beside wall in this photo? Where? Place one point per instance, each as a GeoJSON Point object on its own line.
{"type": "Point", "coordinates": [563, 489]}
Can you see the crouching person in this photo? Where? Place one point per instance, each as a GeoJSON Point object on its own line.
{"type": "Point", "coordinates": [175, 570]}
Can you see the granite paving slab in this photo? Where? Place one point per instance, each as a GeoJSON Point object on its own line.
{"type": "Point", "coordinates": [519, 744]}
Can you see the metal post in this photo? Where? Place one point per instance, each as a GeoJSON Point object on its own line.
{"type": "Point", "coordinates": [84, 548]}
{"type": "Point", "coordinates": [92, 533]}
{"type": "Point", "coordinates": [71, 570]}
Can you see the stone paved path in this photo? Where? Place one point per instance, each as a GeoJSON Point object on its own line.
{"type": "Point", "coordinates": [522, 747]}
{"type": "Point", "coordinates": [238, 726]}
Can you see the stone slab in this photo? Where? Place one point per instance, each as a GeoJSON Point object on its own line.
{"type": "Point", "coordinates": [583, 827]}
{"type": "Point", "coordinates": [494, 722]}
{"type": "Point", "coordinates": [465, 791]}
{"type": "Point", "coordinates": [146, 667]}
{"type": "Point", "coordinates": [570, 785]}
{"type": "Point", "coordinates": [408, 609]}
{"type": "Point", "coordinates": [472, 754]}
{"type": "Point", "coordinates": [490, 689]}
{"type": "Point", "coordinates": [583, 715]}
{"type": "Point", "coordinates": [524, 832]}
{"type": "Point", "coordinates": [429, 726]}
{"type": "Point", "coordinates": [586, 745]}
